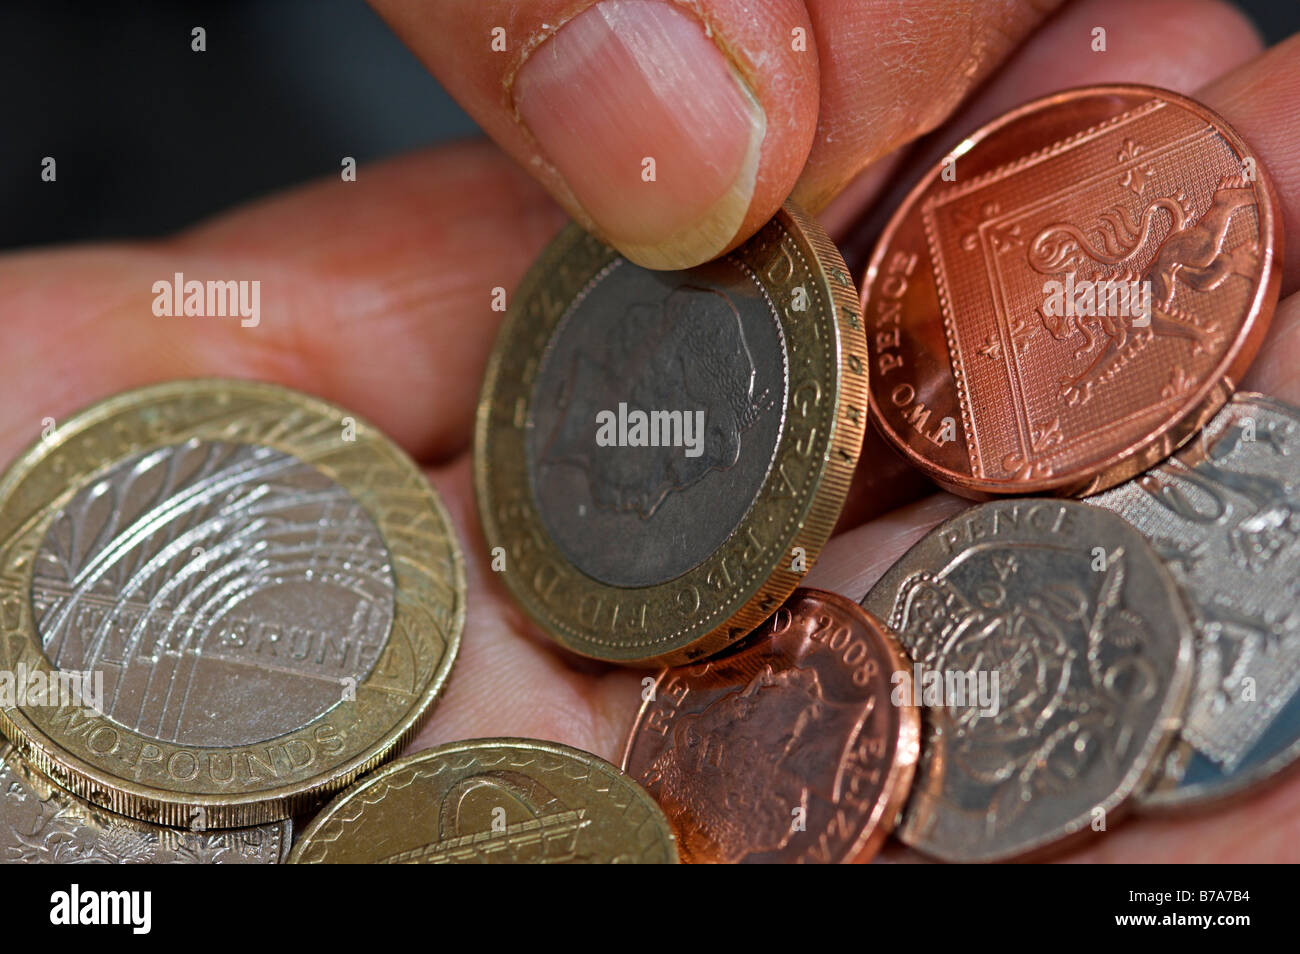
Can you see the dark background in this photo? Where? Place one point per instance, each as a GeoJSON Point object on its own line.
{"type": "Point", "coordinates": [150, 136]}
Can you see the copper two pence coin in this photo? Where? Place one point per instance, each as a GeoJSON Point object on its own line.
{"type": "Point", "coordinates": [1071, 294]}
{"type": "Point", "coordinates": [787, 749]}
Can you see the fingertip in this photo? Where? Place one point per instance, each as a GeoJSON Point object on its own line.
{"type": "Point", "coordinates": [674, 137]}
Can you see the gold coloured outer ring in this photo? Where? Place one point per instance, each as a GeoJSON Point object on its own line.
{"type": "Point", "coordinates": [749, 576]}
{"type": "Point", "coordinates": [622, 821]}
{"type": "Point", "coordinates": [133, 774]}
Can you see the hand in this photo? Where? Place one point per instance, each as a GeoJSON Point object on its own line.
{"type": "Point", "coordinates": [375, 294]}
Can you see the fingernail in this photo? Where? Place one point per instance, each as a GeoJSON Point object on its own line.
{"type": "Point", "coordinates": [653, 131]}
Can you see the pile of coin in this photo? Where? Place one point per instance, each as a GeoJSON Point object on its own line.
{"type": "Point", "coordinates": [257, 598]}
{"type": "Point", "coordinates": [1051, 313]}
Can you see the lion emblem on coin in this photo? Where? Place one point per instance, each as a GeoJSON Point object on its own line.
{"type": "Point", "coordinates": [1191, 253]}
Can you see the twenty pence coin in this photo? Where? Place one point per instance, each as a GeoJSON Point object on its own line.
{"type": "Point", "coordinates": [1224, 514]}
{"type": "Point", "coordinates": [1052, 655]}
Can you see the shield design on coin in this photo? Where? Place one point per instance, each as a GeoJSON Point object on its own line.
{"type": "Point", "coordinates": [685, 355]}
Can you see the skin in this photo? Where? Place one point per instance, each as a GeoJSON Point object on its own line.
{"type": "Point", "coordinates": [376, 295]}
{"type": "Point", "coordinates": [870, 75]}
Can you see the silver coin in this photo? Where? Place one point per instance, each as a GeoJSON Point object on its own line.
{"type": "Point", "coordinates": [40, 823]}
{"type": "Point", "coordinates": [207, 578]}
{"type": "Point", "coordinates": [1225, 515]}
{"type": "Point", "coordinates": [1063, 655]}
{"type": "Point", "coordinates": [705, 345]}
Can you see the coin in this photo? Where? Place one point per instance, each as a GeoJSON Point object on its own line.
{"type": "Point", "coordinates": [1053, 655]}
{"type": "Point", "coordinates": [788, 748]}
{"type": "Point", "coordinates": [40, 823]}
{"type": "Point", "coordinates": [506, 801]}
{"type": "Point", "coordinates": [258, 594]}
{"type": "Point", "coordinates": [1224, 513]}
{"type": "Point", "coordinates": [1071, 294]}
{"type": "Point", "coordinates": [659, 456]}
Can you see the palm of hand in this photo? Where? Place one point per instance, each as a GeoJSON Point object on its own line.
{"type": "Point", "coordinates": [376, 295]}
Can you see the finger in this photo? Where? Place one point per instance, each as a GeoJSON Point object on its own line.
{"type": "Point", "coordinates": [1276, 370]}
{"type": "Point", "coordinates": [852, 561]}
{"type": "Point", "coordinates": [582, 94]}
{"type": "Point", "coordinates": [1262, 102]}
{"type": "Point", "coordinates": [892, 70]}
{"type": "Point", "coordinates": [375, 294]}
{"type": "Point", "coordinates": [1175, 44]}
{"type": "Point", "coordinates": [1261, 828]}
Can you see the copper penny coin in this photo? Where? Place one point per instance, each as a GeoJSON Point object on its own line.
{"type": "Point", "coordinates": [788, 748]}
{"type": "Point", "coordinates": [1071, 294]}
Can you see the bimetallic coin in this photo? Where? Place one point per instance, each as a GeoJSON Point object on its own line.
{"type": "Point", "coordinates": [262, 592]}
{"type": "Point", "coordinates": [40, 823]}
{"type": "Point", "coordinates": [1224, 513]}
{"type": "Point", "coordinates": [1071, 294]}
{"type": "Point", "coordinates": [789, 748]}
{"type": "Point", "coordinates": [504, 801]}
{"type": "Point", "coordinates": [1052, 656]}
{"type": "Point", "coordinates": [660, 455]}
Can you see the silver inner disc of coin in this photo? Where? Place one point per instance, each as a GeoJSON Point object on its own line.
{"type": "Point", "coordinates": [229, 593]}
{"type": "Point", "coordinates": [655, 418]}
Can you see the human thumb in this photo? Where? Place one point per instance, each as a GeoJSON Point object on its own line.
{"type": "Point", "coordinates": [673, 131]}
